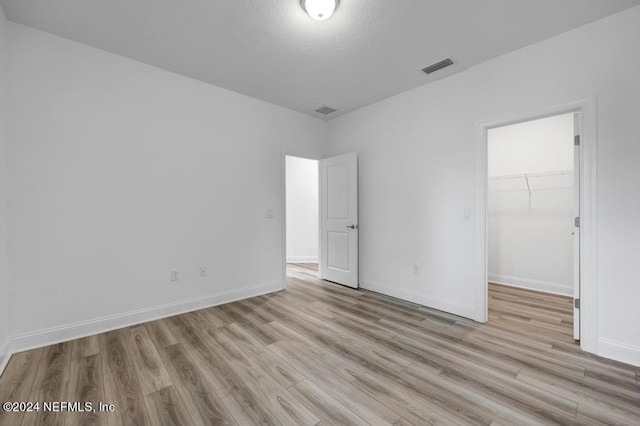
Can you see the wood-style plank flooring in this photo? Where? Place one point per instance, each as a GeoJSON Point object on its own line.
{"type": "Point", "coordinates": [319, 353]}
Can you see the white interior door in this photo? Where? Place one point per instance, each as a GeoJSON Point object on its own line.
{"type": "Point", "coordinates": [576, 229]}
{"type": "Point", "coordinates": [339, 219]}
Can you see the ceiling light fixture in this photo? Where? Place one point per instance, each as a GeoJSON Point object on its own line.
{"type": "Point", "coordinates": [320, 9]}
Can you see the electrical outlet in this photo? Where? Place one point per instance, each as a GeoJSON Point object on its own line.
{"type": "Point", "coordinates": [416, 269]}
{"type": "Point", "coordinates": [467, 214]}
{"type": "Point", "coordinates": [203, 271]}
{"type": "Point", "coordinates": [269, 214]}
{"type": "Point", "coordinates": [175, 275]}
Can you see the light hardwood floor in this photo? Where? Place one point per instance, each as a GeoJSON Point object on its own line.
{"type": "Point", "coordinates": [319, 353]}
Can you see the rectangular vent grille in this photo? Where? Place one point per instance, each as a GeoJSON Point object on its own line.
{"type": "Point", "coordinates": [325, 110]}
{"type": "Point", "coordinates": [438, 66]}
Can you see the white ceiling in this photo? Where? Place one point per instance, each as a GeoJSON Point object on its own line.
{"type": "Point", "coordinates": [271, 50]}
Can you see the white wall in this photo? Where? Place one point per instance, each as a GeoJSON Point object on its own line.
{"type": "Point", "coordinates": [530, 242]}
{"type": "Point", "coordinates": [302, 209]}
{"type": "Point", "coordinates": [4, 276]}
{"type": "Point", "coordinates": [418, 171]}
{"type": "Point", "coordinates": [120, 172]}
{"type": "Point", "coordinates": [536, 146]}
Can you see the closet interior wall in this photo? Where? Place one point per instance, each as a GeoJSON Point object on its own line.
{"type": "Point", "coordinates": [531, 205]}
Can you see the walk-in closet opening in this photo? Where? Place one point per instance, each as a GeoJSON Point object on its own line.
{"type": "Point", "coordinates": [302, 215]}
{"type": "Point", "coordinates": [532, 224]}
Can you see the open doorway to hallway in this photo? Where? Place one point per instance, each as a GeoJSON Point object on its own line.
{"type": "Point", "coordinates": [532, 238]}
{"type": "Point", "coordinates": [302, 213]}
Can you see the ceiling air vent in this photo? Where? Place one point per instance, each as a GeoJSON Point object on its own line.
{"type": "Point", "coordinates": [325, 110]}
{"type": "Point", "coordinates": [438, 66]}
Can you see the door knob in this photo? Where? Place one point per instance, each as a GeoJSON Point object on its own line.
{"type": "Point", "coordinates": [352, 226]}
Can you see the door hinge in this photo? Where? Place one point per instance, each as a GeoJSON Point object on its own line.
{"type": "Point", "coordinates": [576, 140]}
{"type": "Point", "coordinates": [576, 303]}
{"type": "Point", "coordinates": [576, 222]}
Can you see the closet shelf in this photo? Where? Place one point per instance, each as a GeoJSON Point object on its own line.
{"type": "Point", "coordinates": [532, 181]}
{"type": "Point", "coordinates": [533, 175]}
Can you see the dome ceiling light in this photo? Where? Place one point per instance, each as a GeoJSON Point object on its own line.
{"type": "Point", "coordinates": [320, 10]}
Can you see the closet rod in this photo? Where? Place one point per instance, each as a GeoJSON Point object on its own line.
{"type": "Point", "coordinates": [533, 175]}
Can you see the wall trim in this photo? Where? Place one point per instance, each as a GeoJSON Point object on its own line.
{"type": "Point", "coordinates": [81, 329]}
{"type": "Point", "coordinates": [619, 351]}
{"type": "Point", "coordinates": [302, 259]}
{"type": "Point", "coordinates": [5, 356]}
{"type": "Point", "coordinates": [420, 299]}
{"type": "Point", "coordinates": [531, 284]}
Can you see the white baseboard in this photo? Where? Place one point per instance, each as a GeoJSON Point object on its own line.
{"type": "Point", "coordinates": [420, 299]}
{"type": "Point", "coordinates": [4, 356]}
{"type": "Point", "coordinates": [619, 351]}
{"type": "Point", "coordinates": [64, 333]}
{"type": "Point", "coordinates": [302, 259]}
{"type": "Point", "coordinates": [530, 284]}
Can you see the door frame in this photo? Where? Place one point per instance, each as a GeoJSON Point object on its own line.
{"type": "Point", "coordinates": [283, 208]}
{"type": "Point", "coordinates": [587, 180]}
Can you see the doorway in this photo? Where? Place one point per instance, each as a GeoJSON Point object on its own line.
{"type": "Point", "coordinates": [587, 159]}
{"type": "Point", "coordinates": [320, 229]}
{"type": "Point", "coordinates": [533, 201]}
{"type": "Point", "coordinates": [302, 215]}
